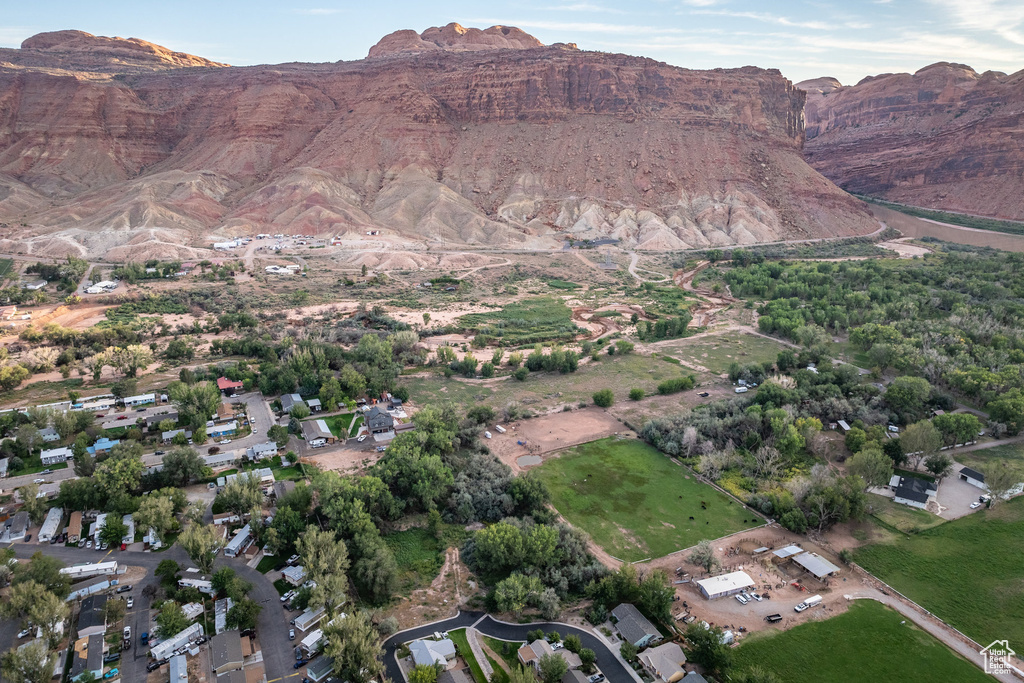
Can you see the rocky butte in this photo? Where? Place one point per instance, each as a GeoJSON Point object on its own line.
{"type": "Point", "coordinates": [450, 137]}
{"type": "Point", "coordinates": [944, 137]}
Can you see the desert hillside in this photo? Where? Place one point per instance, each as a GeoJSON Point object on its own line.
{"type": "Point", "coordinates": [453, 137]}
{"type": "Point", "coordinates": [945, 137]}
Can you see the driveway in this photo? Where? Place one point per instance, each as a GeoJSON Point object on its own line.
{"type": "Point", "coordinates": [272, 626]}
{"type": "Point", "coordinates": [955, 496]}
{"type": "Point", "coordinates": [611, 666]}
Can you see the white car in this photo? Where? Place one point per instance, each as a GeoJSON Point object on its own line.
{"type": "Point", "coordinates": [38, 481]}
{"type": "Point", "coordinates": [131, 602]}
{"type": "Point", "coordinates": [756, 597]}
{"type": "Point", "coordinates": [742, 600]}
{"type": "Point", "coordinates": [361, 438]}
{"type": "Point", "coordinates": [224, 441]}
{"type": "Point", "coordinates": [975, 505]}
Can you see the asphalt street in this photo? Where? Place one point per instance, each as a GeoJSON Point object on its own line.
{"type": "Point", "coordinates": [272, 626]}
{"type": "Point", "coordinates": [613, 669]}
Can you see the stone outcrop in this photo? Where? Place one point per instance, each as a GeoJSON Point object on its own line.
{"type": "Point", "coordinates": [945, 137]}
{"type": "Point", "coordinates": [513, 144]}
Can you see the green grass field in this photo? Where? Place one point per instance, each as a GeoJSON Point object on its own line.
{"type": "Point", "coordinates": [635, 502]}
{"type": "Point", "coordinates": [543, 389]}
{"type": "Point", "coordinates": [5, 267]}
{"type": "Point", "coordinates": [1011, 452]}
{"type": "Point", "coordinates": [419, 557]}
{"type": "Point", "coordinates": [866, 643]}
{"type": "Point", "coordinates": [459, 638]}
{"type": "Point", "coordinates": [717, 352]}
{"type": "Point", "coordinates": [902, 517]}
{"type": "Point", "coordinates": [525, 322]}
{"type": "Point", "coordinates": [339, 424]}
{"type": "Point", "coordinates": [969, 571]}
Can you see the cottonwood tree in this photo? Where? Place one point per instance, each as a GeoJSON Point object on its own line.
{"type": "Point", "coordinates": [552, 667]}
{"type": "Point", "coordinates": [156, 512]}
{"type": "Point", "coordinates": [128, 359]}
{"type": "Point", "coordinates": [703, 555]}
{"type": "Point", "coordinates": [920, 440]}
{"type": "Point", "coordinates": [1001, 478]}
{"type": "Point", "coordinates": [31, 663]}
{"type": "Point", "coordinates": [939, 464]}
{"type": "Point", "coordinates": [201, 542]}
{"type": "Point", "coordinates": [195, 402]}
{"type": "Point", "coordinates": [322, 553]}
{"type": "Point", "coordinates": [244, 614]}
{"type": "Point", "coordinates": [182, 466]}
{"type": "Point", "coordinates": [171, 620]}
{"type": "Point", "coordinates": [871, 465]}
{"type": "Point", "coordinates": [768, 461]}
{"type": "Point", "coordinates": [352, 644]}
{"type": "Point", "coordinates": [241, 494]}
{"type": "Point", "coordinates": [35, 506]}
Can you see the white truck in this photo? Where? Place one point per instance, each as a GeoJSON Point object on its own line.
{"type": "Point", "coordinates": [501, 430]}
{"type": "Point", "coordinates": [809, 602]}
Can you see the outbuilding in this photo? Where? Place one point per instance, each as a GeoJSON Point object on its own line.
{"type": "Point", "coordinates": [973, 477]}
{"type": "Point", "coordinates": [51, 525]}
{"type": "Point", "coordinates": [816, 565]}
{"type": "Point", "coordinates": [724, 585]}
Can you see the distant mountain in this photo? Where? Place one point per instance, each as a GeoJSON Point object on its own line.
{"type": "Point", "coordinates": [452, 137]}
{"type": "Point", "coordinates": [944, 137]}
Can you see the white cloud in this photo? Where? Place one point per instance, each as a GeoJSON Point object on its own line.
{"type": "Point", "coordinates": [1002, 18]}
{"type": "Point", "coordinates": [781, 21]}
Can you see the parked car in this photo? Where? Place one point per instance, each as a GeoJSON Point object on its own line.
{"type": "Point", "coordinates": [756, 597]}
{"type": "Point", "coordinates": [122, 417]}
{"type": "Point", "coordinates": [88, 544]}
{"type": "Point", "coordinates": [742, 600]}
{"type": "Point", "coordinates": [381, 449]}
{"type": "Point", "coordinates": [773, 618]}
{"type": "Point", "coordinates": [105, 545]}
{"type": "Point", "coordinates": [127, 632]}
{"type": "Point", "coordinates": [287, 596]}
{"type": "Point", "coordinates": [28, 537]}
{"type": "Point", "coordinates": [703, 394]}
{"type": "Point", "coordinates": [298, 652]}
{"type": "Point", "coordinates": [112, 657]}
{"type": "Point", "coordinates": [596, 678]}
{"type": "Point", "coordinates": [54, 540]}
{"type": "Point", "coordinates": [24, 633]}
{"type": "Point", "coordinates": [131, 602]}
{"type": "Point", "coordinates": [38, 481]}
{"type": "Point", "coordinates": [291, 634]}
{"type": "Point", "coordinates": [975, 505]}
{"type": "Point", "coordinates": [46, 472]}
{"type": "Point", "coordinates": [144, 638]}
{"type": "Point", "coordinates": [159, 452]}
{"type": "Point", "coordinates": [301, 663]}
{"type": "Point", "coordinates": [292, 560]}
{"type": "Point", "coordinates": [123, 589]}
{"type": "Point", "coordinates": [153, 666]}
{"type": "Point", "coordinates": [110, 674]}
{"type": "Point", "coordinates": [361, 438]}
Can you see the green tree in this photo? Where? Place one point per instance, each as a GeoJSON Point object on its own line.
{"type": "Point", "coordinates": [121, 473]}
{"type": "Point", "coordinates": [31, 663]}
{"type": "Point", "coordinates": [516, 592]}
{"type": "Point", "coordinates": [300, 411]}
{"type": "Point", "coordinates": [168, 570]}
{"type": "Point", "coordinates": [113, 530]}
{"type": "Point", "coordinates": [1001, 478]}
{"type": "Point", "coordinates": [855, 439]}
{"type": "Point", "coordinates": [703, 555]}
{"type": "Point", "coordinates": [587, 659]}
{"type": "Point", "coordinates": [376, 572]}
{"type": "Point", "coordinates": [920, 440]}
{"type": "Point", "coordinates": [552, 667]}
{"type": "Point", "coordinates": [353, 645]}
{"type": "Point", "coordinates": [906, 395]}
{"type": "Point", "coordinates": [573, 643]}
{"type": "Point", "coordinates": [604, 398]}
{"type": "Point", "coordinates": [628, 651]}
{"type": "Point", "coordinates": [423, 673]}
{"type": "Point", "coordinates": [171, 620]}
{"type": "Point", "coordinates": [241, 494]}
{"type": "Point", "coordinates": [35, 506]}
{"type": "Point", "coordinates": [705, 647]}
{"type": "Point", "coordinates": [244, 614]}
{"type": "Point", "coordinates": [939, 464]}
{"type": "Point", "coordinates": [278, 435]}
{"type": "Point", "coordinates": [521, 674]}
{"type": "Point", "coordinates": [323, 554]}
{"type": "Point", "coordinates": [201, 542]}
{"type": "Point", "coordinates": [195, 402]}
{"type": "Point", "coordinates": [871, 465]}
{"type": "Point", "coordinates": [182, 466]}
{"type": "Point", "coordinates": [1007, 409]}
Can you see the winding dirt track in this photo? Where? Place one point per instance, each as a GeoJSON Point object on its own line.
{"type": "Point", "coordinates": [705, 311]}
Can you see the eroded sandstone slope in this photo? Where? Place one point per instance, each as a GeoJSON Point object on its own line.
{"type": "Point", "coordinates": [481, 138]}
{"type": "Point", "coordinates": [945, 137]}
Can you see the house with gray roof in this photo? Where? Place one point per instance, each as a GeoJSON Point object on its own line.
{"type": "Point", "coordinates": [633, 626]}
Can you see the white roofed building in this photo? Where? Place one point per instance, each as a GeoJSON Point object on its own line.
{"type": "Point", "coordinates": [724, 585]}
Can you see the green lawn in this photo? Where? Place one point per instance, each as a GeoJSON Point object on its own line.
{"type": "Point", "coordinates": [5, 266]}
{"type": "Point", "coordinates": [866, 643]}
{"type": "Point", "coordinates": [267, 563]}
{"type": "Point", "coordinates": [969, 571]}
{"type": "Point", "coordinates": [510, 658]}
{"type": "Point", "coordinates": [459, 638]}
{"type": "Point", "coordinates": [419, 557]}
{"type": "Point", "coordinates": [635, 502]}
{"type": "Point", "coordinates": [339, 424]}
{"type": "Point", "coordinates": [717, 352]}
{"type": "Point", "coordinates": [902, 517]}
{"type": "Point", "coordinates": [1011, 452]}
{"type": "Point", "coordinates": [34, 466]}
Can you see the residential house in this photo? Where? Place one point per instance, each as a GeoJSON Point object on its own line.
{"type": "Point", "coordinates": [129, 534]}
{"type": "Point", "coordinates": [178, 668]}
{"type": "Point", "coordinates": [200, 585]}
{"type": "Point", "coordinates": [694, 677]}
{"type": "Point", "coordinates": [633, 626]}
{"type": "Point", "coordinates": [151, 541]}
{"type": "Point", "coordinates": [283, 488]}
{"type": "Point", "coordinates": [16, 527]}
{"type": "Point", "coordinates": [153, 420]}
{"type": "Point", "coordinates": [225, 412]}
{"type": "Point", "coordinates": [323, 666]}
{"type": "Point", "coordinates": [913, 491]}
{"type": "Point", "coordinates": [220, 431]}
{"type": "Point", "coordinates": [267, 449]}
{"type": "Point", "coordinates": [379, 421]}
{"type": "Point", "coordinates": [5, 463]}
{"type": "Point", "coordinates": [664, 662]}
{"type": "Point", "coordinates": [75, 527]}
{"type": "Point", "coordinates": [571, 676]}
{"type": "Point", "coordinates": [289, 401]}
{"type": "Point", "coordinates": [530, 654]}
{"type": "Point", "coordinates": [229, 387]}
{"type": "Point", "coordinates": [49, 434]}
{"type": "Point", "coordinates": [168, 436]}
{"type": "Point", "coordinates": [844, 426]}
{"type": "Point", "coordinates": [51, 525]}
{"type": "Point", "coordinates": [296, 575]}
{"type": "Point", "coordinates": [102, 446]}
{"type": "Point", "coordinates": [317, 434]}
{"type": "Point", "coordinates": [77, 572]}
{"type": "Point", "coordinates": [34, 286]}
{"type": "Point", "coordinates": [97, 527]}
{"type": "Point", "coordinates": [220, 614]}
{"type": "Point", "coordinates": [309, 618]}
{"type": "Point", "coordinates": [92, 617]}
{"type": "Point", "coordinates": [430, 652]}
{"type": "Point", "coordinates": [222, 459]}
{"type": "Point", "coordinates": [88, 657]}
{"type": "Point", "coordinates": [178, 641]}
{"type": "Point", "coordinates": [140, 400]}
{"type": "Point", "coordinates": [225, 518]}
{"type": "Point", "coordinates": [239, 542]}
{"type": "Point", "coordinates": [55, 456]}
{"type": "Point", "coordinates": [192, 610]}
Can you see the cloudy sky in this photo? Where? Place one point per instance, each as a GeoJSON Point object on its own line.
{"type": "Point", "coordinates": [802, 38]}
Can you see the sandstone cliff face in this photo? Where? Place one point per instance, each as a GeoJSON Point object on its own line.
{"type": "Point", "coordinates": [945, 137]}
{"type": "Point", "coordinates": [454, 38]}
{"type": "Point", "coordinates": [496, 146]}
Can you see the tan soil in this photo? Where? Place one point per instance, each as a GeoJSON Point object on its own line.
{"type": "Point", "coordinates": [344, 460]}
{"type": "Point", "coordinates": [550, 433]}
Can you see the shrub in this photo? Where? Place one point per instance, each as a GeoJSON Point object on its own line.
{"type": "Point", "coordinates": [674, 386]}
{"type": "Point", "coordinates": [520, 374]}
{"type": "Point", "coordinates": [636, 394]}
{"type": "Point", "coordinates": [604, 398]}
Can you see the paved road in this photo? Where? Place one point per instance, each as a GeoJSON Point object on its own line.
{"type": "Point", "coordinates": [610, 665]}
{"type": "Point", "coordinates": [272, 626]}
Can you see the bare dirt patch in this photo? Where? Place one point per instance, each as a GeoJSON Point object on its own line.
{"type": "Point", "coordinates": [453, 586]}
{"type": "Point", "coordinates": [551, 433]}
{"type": "Point", "coordinates": [343, 459]}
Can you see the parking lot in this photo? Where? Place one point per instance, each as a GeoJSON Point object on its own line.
{"type": "Point", "coordinates": [955, 496]}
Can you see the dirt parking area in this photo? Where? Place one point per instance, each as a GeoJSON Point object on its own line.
{"type": "Point", "coordinates": [550, 433]}
{"type": "Point", "coordinates": [736, 553]}
{"type": "Point", "coordinates": [343, 459]}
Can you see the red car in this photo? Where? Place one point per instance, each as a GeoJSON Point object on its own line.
{"type": "Point", "coordinates": [123, 417]}
{"type": "Point", "coordinates": [124, 547]}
